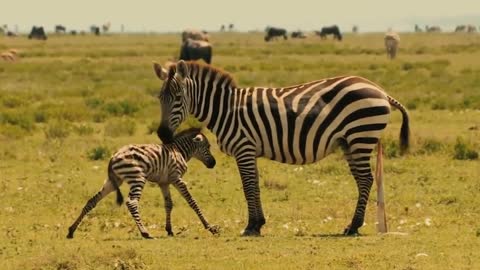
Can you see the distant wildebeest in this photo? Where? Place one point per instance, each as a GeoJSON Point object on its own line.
{"type": "Point", "coordinates": [73, 32]}
{"type": "Point", "coordinates": [274, 32]}
{"type": "Point", "coordinates": [11, 34]}
{"type": "Point", "coordinates": [298, 34]}
{"type": "Point", "coordinates": [418, 29]}
{"type": "Point", "coordinates": [355, 29]}
{"type": "Point", "coordinates": [461, 28]}
{"type": "Point", "coordinates": [330, 30]}
{"type": "Point", "coordinates": [194, 35]}
{"type": "Point", "coordinates": [222, 28]}
{"type": "Point", "coordinates": [392, 41]}
{"type": "Point", "coordinates": [37, 33]}
{"type": "Point", "coordinates": [230, 27]}
{"type": "Point", "coordinates": [471, 28]}
{"type": "Point", "coordinates": [195, 50]}
{"type": "Point", "coordinates": [95, 30]}
{"type": "Point", "coordinates": [433, 29]}
{"type": "Point", "coordinates": [60, 29]}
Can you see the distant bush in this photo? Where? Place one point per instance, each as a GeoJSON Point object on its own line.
{"type": "Point", "coordinates": [57, 130]}
{"type": "Point", "coordinates": [93, 102]}
{"type": "Point", "coordinates": [391, 148]}
{"type": "Point", "coordinates": [12, 101]}
{"type": "Point", "coordinates": [431, 146]}
{"type": "Point", "coordinates": [152, 127]}
{"type": "Point", "coordinates": [18, 118]}
{"type": "Point", "coordinates": [98, 153]}
{"type": "Point", "coordinates": [463, 151]}
{"type": "Point", "coordinates": [83, 129]}
{"type": "Point", "coordinates": [99, 117]}
{"type": "Point", "coordinates": [125, 107]}
{"type": "Point", "coordinates": [120, 127]}
{"type": "Point", "coordinates": [12, 131]}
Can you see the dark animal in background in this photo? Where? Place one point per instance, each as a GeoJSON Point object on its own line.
{"type": "Point", "coordinates": [231, 27]}
{"type": "Point", "coordinates": [194, 35]}
{"type": "Point", "coordinates": [355, 29]}
{"type": "Point", "coordinates": [195, 50]}
{"type": "Point", "coordinates": [73, 32]}
{"type": "Point", "coordinates": [433, 29]}
{"type": "Point", "coordinates": [222, 28]}
{"type": "Point", "coordinates": [330, 30]}
{"type": "Point", "coordinates": [37, 33]}
{"type": "Point", "coordinates": [418, 29]}
{"type": "Point", "coordinates": [298, 34]}
{"type": "Point", "coordinates": [273, 32]}
{"type": "Point", "coordinates": [95, 30]}
{"type": "Point", "coordinates": [11, 34]}
{"type": "Point", "coordinates": [60, 29]}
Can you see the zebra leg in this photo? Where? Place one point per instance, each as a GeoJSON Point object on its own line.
{"type": "Point", "coordinates": [182, 188]}
{"type": "Point", "coordinates": [247, 166]}
{"type": "Point", "coordinates": [136, 187]}
{"type": "Point", "coordinates": [168, 208]}
{"type": "Point", "coordinates": [360, 168]}
{"type": "Point", "coordinates": [106, 189]}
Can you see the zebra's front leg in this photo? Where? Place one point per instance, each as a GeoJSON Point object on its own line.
{"type": "Point", "coordinates": [134, 195]}
{"type": "Point", "coordinates": [361, 171]}
{"type": "Point", "coordinates": [247, 166]}
{"type": "Point", "coordinates": [168, 208]}
{"type": "Point", "coordinates": [182, 188]}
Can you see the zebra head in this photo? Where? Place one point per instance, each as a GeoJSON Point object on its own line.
{"type": "Point", "coordinates": [173, 98]}
{"type": "Point", "coordinates": [202, 151]}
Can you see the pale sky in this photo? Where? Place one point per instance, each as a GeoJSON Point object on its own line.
{"type": "Point", "coordinates": [176, 15]}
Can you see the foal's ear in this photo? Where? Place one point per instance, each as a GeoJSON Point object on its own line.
{"type": "Point", "coordinates": [182, 69]}
{"type": "Point", "coordinates": [160, 71]}
{"type": "Point", "coordinates": [198, 138]}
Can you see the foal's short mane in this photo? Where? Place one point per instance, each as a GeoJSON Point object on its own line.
{"type": "Point", "coordinates": [200, 66]}
{"type": "Point", "coordinates": [188, 132]}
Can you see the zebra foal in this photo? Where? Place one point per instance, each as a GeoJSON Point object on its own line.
{"type": "Point", "coordinates": [299, 124]}
{"type": "Point", "coordinates": [162, 164]}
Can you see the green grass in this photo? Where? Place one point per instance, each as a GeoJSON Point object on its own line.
{"type": "Point", "coordinates": [71, 101]}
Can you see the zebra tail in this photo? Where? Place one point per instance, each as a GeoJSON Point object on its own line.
{"type": "Point", "coordinates": [405, 128]}
{"type": "Point", "coordinates": [113, 178]}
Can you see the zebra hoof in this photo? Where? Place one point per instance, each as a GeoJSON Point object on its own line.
{"type": "Point", "coordinates": [350, 232]}
{"type": "Point", "coordinates": [251, 232]}
{"type": "Point", "coordinates": [214, 229]}
{"type": "Point", "coordinates": [146, 235]}
{"type": "Point", "coordinates": [70, 233]}
{"type": "Point", "coordinates": [170, 233]}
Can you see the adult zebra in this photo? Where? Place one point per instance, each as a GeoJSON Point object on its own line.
{"type": "Point", "coordinates": [298, 124]}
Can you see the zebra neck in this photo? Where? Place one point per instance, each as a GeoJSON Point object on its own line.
{"type": "Point", "coordinates": [182, 146]}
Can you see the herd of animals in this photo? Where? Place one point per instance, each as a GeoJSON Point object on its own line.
{"type": "Point", "coordinates": [300, 124]}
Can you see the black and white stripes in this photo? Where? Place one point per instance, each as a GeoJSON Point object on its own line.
{"type": "Point", "coordinates": [161, 164]}
{"type": "Point", "coordinates": [298, 124]}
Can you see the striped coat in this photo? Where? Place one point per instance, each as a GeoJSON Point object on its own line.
{"type": "Point", "coordinates": [298, 124]}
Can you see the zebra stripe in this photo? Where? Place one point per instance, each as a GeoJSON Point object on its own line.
{"type": "Point", "coordinates": [161, 164]}
{"type": "Point", "coordinates": [299, 124]}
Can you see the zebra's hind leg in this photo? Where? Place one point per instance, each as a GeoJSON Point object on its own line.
{"type": "Point", "coordinates": [136, 188]}
{"type": "Point", "coordinates": [359, 162]}
{"type": "Point", "coordinates": [106, 189]}
{"type": "Point", "coordinates": [168, 208]}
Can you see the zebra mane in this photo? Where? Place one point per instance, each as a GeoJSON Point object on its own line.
{"type": "Point", "coordinates": [200, 66]}
{"type": "Point", "coordinates": [188, 132]}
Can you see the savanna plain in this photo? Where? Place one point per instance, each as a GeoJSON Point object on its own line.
{"type": "Point", "coordinates": [71, 101]}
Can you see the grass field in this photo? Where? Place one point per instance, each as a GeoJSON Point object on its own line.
{"type": "Point", "coordinates": [69, 102]}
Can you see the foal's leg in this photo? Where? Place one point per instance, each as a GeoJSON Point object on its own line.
{"type": "Point", "coordinates": [168, 207]}
{"type": "Point", "coordinates": [136, 187]}
{"type": "Point", "coordinates": [106, 189]}
{"type": "Point", "coordinates": [182, 188]}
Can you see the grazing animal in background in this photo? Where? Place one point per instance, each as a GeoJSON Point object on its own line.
{"type": "Point", "coordinates": [37, 33]}
{"type": "Point", "coordinates": [95, 30]}
{"type": "Point", "coordinates": [106, 27]}
{"type": "Point", "coordinates": [231, 27]}
{"type": "Point", "coordinates": [418, 29]}
{"type": "Point", "coordinates": [222, 28]}
{"type": "Point", "coordinates": [298, 124]}
{"type": "Point", "coordinates": [433, 29]}
{"type": "Point", "coordinates": [392, 40]}
{"type": "Point", "coordinates": [330, 30]}
{"type": "Point", "coordinates": [274, 32]}
{"type": "Point", "coordinates": [60, 29]}
{"type": "Point", "coordinates": [164, 165]}
{"type": "Point", "coordinates": [355, 29]}
{"type": "Point", "coordinates": [73, 32]}
{"type": "Point", "coordinates": [195, 50]}
{"type": "Point", "coordinates": [460, 28]}
{"type": "Point", "coordinates": [471, 28]}
{"type": "Point", "coordinates": [298, 34]}
{"type": "Point", "coordinates": [194, 35]}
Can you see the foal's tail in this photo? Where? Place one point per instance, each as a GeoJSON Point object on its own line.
{"type": "Point", "coordinates": [115, 180]}
{"type": "Point", "coordinates": [405, 129]}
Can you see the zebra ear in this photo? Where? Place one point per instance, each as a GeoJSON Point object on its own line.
{"type": "Point", "coordinates": [182, 69]}
{"type": "Point", "coordinates": [198, 138]}
{"type": "Point", "coordinates": [160, 71]}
